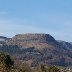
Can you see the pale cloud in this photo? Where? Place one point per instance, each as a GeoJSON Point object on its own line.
{"type": "Point", "coordinates": [10, 28]}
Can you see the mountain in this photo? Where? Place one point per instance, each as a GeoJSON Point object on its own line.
{"type": "Point", "coordinates": [67, 45]}
{"type": "Point", "coordinates": [38, 49]}
{"type": "Point", "coordinates": [32, 40]}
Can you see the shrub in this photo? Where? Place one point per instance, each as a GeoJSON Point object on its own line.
{"type": "Point", "coordinates": [53, 69]}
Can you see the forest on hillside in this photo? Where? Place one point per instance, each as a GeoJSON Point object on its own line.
{"type": "Point", "coordinates": [9, 64]}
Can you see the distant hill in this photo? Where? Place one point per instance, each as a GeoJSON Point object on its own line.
{"type": "Point", "coordinates": [32, 40]}
{"type": "Point", "coordinates": [38, 49]}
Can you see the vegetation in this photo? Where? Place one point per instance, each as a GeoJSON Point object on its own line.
{"type": "Point", "coordinates": [53, 69]}
{"type": "Point", "coordinates": [7, 64]}
{"type": "Point", "coordinates": [42, 68]}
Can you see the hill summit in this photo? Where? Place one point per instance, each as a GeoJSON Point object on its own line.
{"type": "Point", "coordinates": [32, 40]}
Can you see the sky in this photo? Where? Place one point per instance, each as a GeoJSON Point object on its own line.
{"type": "Point", "coordinates": [52, 17]}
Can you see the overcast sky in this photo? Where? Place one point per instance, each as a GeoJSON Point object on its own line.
{"type": "Point", "coordinates": [36, 16]}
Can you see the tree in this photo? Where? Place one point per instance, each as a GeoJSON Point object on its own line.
{"type": "Point", "coordinates": [5, 62]}
{"type": "Point", "coordinates": [8, 61]}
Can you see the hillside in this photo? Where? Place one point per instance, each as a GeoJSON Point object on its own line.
{"type": "Point", "coordinates": [38, 49]}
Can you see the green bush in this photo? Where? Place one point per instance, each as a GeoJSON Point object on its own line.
{"type": "Point", "coordinates": [5, 62]}
{"type": "Point", "coordinates": [53, 69]}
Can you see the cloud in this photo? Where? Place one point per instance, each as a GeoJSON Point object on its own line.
{"type": "Point", "coordinates": [10, 28]}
